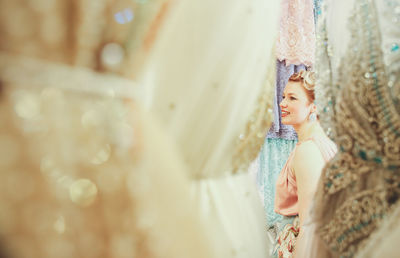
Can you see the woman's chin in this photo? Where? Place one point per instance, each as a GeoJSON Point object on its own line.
{"type": "Point", "coordinates": [285, 121]}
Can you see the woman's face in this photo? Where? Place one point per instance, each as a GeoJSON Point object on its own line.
{"type": "Point", "coordinates": [295, 105]}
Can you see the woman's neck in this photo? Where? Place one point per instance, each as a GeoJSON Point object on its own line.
{"type": "Point", "coordinates": [308, 129]}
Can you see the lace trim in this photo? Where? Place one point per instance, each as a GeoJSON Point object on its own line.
{"type": "Point", "coordinates": [296, 39]}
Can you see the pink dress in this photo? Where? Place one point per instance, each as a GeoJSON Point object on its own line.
{"type": "Point", "coordinates": [296, 38]}
{"type": "Point", "coordinates": [286, 202]}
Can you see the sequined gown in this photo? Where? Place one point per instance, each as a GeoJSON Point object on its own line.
{"type": "Point", "coordinates": [359, 99]}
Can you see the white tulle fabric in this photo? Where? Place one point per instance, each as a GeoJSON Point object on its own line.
{"type": "Point", "coordinates": [203, 77]}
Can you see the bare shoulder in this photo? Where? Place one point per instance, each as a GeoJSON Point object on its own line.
{"type": "Point", "coordinates": [306, 149]}
{"type": "Point", "coordinates": [307, 156]}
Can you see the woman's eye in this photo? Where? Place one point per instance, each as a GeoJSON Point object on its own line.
{"type": "Point", "coordinates": [283, 97]}
{"type": "Point", "coordinates": [292, 98]}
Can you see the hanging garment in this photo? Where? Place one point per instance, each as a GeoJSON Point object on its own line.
{"type": "Point", "coordinates": [210, 83]}
{"type": "Point", "coordinates": [264, 171]}
{"type": "Point", "coordinates": [272, 150]}
{"type": "Point", "coordinates": [85, 172]}
{"type": "Point", "coordinates": [296, 38]}
{"type": "Point", "coordinates": [272, 158]}
{"type": "Point", "coordinates": [359, 77]}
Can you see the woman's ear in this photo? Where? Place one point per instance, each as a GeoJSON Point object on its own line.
{"type": "Point", "coordinates": [313, 108]}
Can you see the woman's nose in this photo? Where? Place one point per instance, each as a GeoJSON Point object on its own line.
{"type": "Point", "coordinates": [283, 103]}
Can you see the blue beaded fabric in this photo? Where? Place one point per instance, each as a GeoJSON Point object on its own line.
{"type": "Point", "coordinates": [272, 158]}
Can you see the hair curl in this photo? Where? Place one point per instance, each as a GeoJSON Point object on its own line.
{"type": "Point", "coordinates": [307, 80]}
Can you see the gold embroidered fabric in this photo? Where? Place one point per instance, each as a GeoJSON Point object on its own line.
{"type": "Point", "coordinates": [359, 186]}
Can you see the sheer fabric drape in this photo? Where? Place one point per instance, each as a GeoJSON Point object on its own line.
{"type": "Point", "coordinates": [210, 82]}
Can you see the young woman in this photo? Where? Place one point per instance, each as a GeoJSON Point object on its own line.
{"type": "Point", "coordinates": [298, 179]}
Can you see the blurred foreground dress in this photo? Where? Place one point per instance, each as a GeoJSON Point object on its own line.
{"type": "Point", "coordinates": [85, 172]}
{"type": "Point", "coordinates": [210, 79]}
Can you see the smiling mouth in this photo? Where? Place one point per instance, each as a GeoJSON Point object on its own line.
{"type": "Point", "coordinates": [285, 113]}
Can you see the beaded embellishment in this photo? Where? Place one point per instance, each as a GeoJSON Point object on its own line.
{"type": "Point", "coordinates": [361, 183]}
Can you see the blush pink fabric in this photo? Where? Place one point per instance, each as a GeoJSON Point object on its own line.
{"type": "Point", "coordinates": [296, 38]}
{"type": "Point", "coordinates": [286, 202]}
